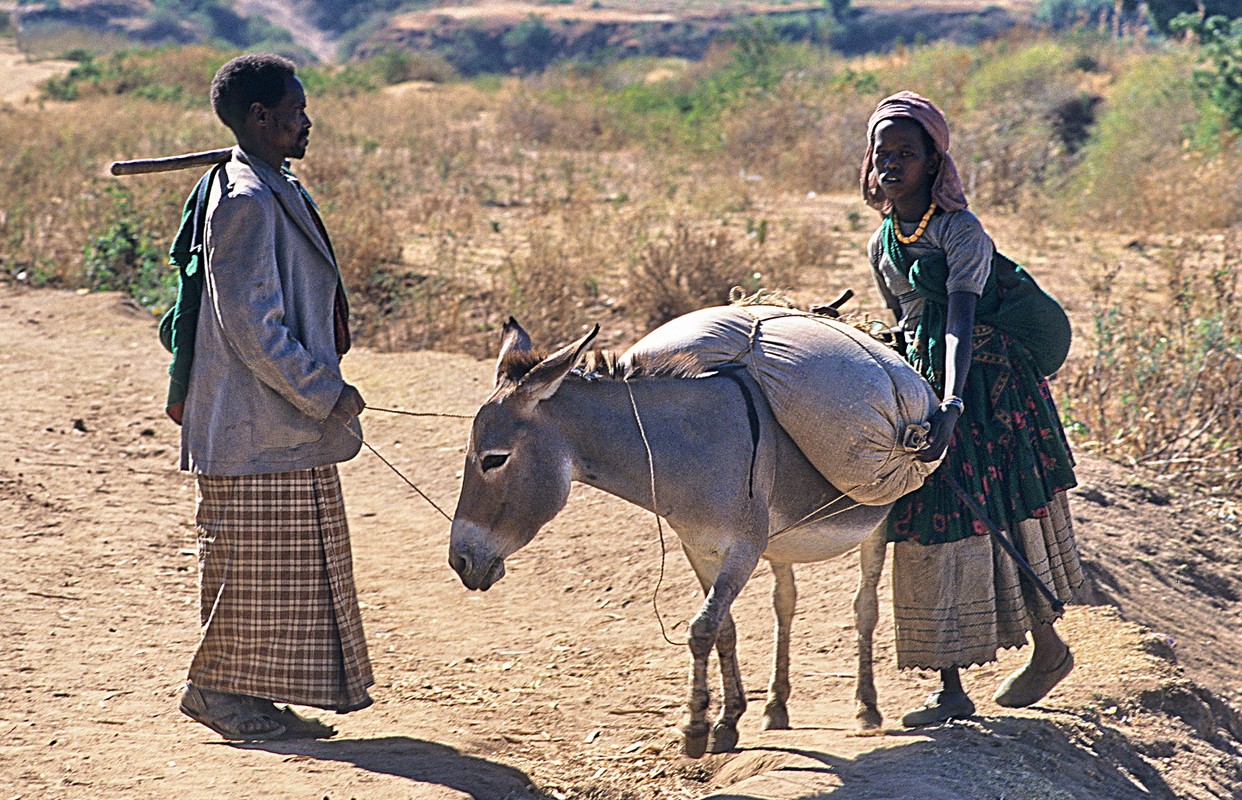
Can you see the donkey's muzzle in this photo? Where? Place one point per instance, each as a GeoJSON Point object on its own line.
{"type": "Point", "coordinates": [477, 567]}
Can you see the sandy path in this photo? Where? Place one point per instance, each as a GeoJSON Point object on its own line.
{"type": "Point", "coordinates": [19, 78]}
{"type": "Point", "coordinates": [289, 16]}
{"type": "Point", "coordinates": [557, 677]}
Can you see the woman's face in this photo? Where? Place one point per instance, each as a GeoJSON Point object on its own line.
{"type": "Point", "coordinates": [903, 162]}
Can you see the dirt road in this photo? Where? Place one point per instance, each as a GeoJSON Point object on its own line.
{"type": "Point", "coordinates": [22, 77]}
{"type": "Point", "coordinates": [555, 684]}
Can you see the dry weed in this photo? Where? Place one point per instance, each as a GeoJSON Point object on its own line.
{"type": "Point", "coordinates": [1163, 385]}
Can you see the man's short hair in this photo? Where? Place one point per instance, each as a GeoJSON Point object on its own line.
{"type": "Point", "coordinates": [255, 78]}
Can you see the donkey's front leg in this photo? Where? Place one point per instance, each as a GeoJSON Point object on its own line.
{"type": "Point", "coordinates": [712, 622]}
{"type": "Point", "coordinates": [866, 615]}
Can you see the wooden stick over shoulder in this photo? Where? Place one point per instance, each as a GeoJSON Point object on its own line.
{"type": "Point", "coordinates": [143, 166]}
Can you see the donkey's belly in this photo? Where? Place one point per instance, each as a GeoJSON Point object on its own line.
{"type": "Point", "coordinates": [826, 540]}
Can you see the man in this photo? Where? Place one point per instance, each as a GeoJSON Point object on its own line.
{"type": "Point", "coordinates": [266, 418]}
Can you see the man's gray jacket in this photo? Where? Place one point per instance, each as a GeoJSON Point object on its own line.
{"type": "Point", "coordinates": [266, 373]}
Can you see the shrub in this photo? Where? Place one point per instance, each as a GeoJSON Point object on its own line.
{"type": "Point", "coordinates": [125, 258]}
{"type": "Point", "coordinates": [473, 49]}
{"type": "Point", "coordinates": [1163, 385]}
{"type": "Point", "coordinates": [1163, 12]}
{"type": "Point", "coordinates": [1144, 141]}
{"type": "Point", "coordinates": [169, 74]}
{"type": "Point", "coordinates": [1221, 40]}
{"type": "Point", "coordinates": [530, 45]}
{"type": "Point", "coordinates": [1070, 13]}
{"type": "Point", "coordinates": [686, 270]}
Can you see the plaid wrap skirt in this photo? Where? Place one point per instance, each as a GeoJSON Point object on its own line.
{"type": "Point", "coordinates": [277, 599]}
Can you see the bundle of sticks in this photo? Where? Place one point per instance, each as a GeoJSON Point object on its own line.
{"type": "Point", "coordinates": [143, 166]}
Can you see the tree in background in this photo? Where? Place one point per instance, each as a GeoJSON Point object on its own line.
{"type": "Point", "coordinates": [530, 46]}
{"type": "Point", "coordinates": [1164, 12]}
{"type": "Point", "coordinates": [1221, 39]}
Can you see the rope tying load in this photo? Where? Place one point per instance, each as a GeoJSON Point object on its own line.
{"type": "Point", "coordinates": [856, 409]}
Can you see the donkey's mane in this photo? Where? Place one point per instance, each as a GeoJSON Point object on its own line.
{"type": "Point", "coordinates": [607, 365]}
{"type": "Point", "coordinates": [515, 364]}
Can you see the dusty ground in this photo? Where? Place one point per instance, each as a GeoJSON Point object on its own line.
{"type": "Point", "coordinates": [557, 679]}
{"type": "Point", "coordinates": [21, 78]}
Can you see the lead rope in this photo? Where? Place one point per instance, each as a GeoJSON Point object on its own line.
{"type": "Point", "coordinates": [655, 509]}
{"type": "Point", "coordinates": [419, 413]}
{"type": "Point", "coordinates": [811, 516]}
{"type": "Point", "coordinates": [388, 464]}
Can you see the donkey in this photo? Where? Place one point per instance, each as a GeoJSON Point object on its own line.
{"type": "Point", "coordinates": [703, 452]}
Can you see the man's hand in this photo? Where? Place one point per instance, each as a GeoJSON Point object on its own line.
{"type": "Point", "coordinates": [349, 405]}
{"type": "Point", "coordinates": [943, 421]}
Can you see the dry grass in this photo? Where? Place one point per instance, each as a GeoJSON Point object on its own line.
{"type": "Point", "coordinates": [565, 201]}
{"type": "Point", "coordinates": [1163, 384]}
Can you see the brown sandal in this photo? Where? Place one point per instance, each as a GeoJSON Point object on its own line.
{"type": "Point", "coordinates": [229, 715]}
{"type": "Point", "coordinates": [1029, 685]}
{"type": "Point", "coordinates": [296, 725]}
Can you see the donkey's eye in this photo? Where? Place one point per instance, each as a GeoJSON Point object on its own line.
{"type": "Point", "coordinates": [494, 460]}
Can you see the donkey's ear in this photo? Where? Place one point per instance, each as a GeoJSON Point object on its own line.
{"type": "Point", "coordinates": [515, 339]}
{"type": "Point", "coordinates": [545, 378]}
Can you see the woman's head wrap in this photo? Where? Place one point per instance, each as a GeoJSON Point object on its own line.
{"type": "Point", "coordinates": [947, 190]}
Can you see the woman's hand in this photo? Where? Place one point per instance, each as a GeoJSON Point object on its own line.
{"type": "Point", "coordinates": [943, 421]}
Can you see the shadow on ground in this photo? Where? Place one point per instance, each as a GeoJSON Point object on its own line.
{"type": "Point", "coordinates": [415, 760]}
{"type": "Point", "coordinates": [980, 759]}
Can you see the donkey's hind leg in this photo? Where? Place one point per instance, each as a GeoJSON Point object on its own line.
{"type": "Point", "coordinates": [866, 615]}
{"type": "Point", "coordinates": [724, 732]}
{"type": "Point", "coordinates": [784, 601]}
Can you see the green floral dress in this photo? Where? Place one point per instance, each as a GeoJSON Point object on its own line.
{"type": "Point", "coordinates": [1009, 449]}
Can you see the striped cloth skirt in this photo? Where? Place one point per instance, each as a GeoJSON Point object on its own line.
{"type": "Point", "coordinates": [277, 599]}
{"type": "Point", "coordinates": [956, 604]}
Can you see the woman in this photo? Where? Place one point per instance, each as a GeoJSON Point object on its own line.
{"type": "Point", "coordinates": [958, 598]}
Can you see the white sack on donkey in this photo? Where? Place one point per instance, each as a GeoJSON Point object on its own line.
{"type": "Point", "coordinates": [856, 409]}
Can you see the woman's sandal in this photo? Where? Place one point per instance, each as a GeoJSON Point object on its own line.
{"type": "Point", "coordinates": [229, 715]}
{"type": "Point", "coordinates": [939, 707]}
{"type": "Point", "coordinates": [1028, 685]}
{"type": "Point", "coordinates": [296, 725]}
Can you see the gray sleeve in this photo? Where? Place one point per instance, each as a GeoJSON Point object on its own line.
{"type": "Point", "coordinates": [874, 254]}
{"type": "Point", "coordinates": [968, 249]}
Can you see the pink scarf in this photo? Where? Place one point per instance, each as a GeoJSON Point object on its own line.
{"type": "Point", "coordinates": [947, 191]}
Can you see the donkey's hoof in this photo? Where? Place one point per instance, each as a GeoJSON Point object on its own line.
{"type": "Point", "coordinates": [694, 746]}
{"type": "Point", "coordinates": [724, 738]}
{"type": "Point", "coordinates": [776, 717]}
{"type": "Point", "coordinates": [869, 720]}
{"type": "Point", "coordinates": [695, 739]}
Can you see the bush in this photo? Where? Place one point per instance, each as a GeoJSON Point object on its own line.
{"type": "Point", "coordinates": [1163, 12]}
{"type": "Point", "coordinates": [185, 21]}
{"type": "Point", "coordinates": [1019, 119]}
{"type": "Point", "coordinates": [1059, 14]}
{"type": "Point", "coordinates": [400, 66]}
{"type": "Point", "coordinates": [687, 270]}
{"type": "Point", "coordinates": [1144, 141]}
{"type": "Point", "coordinates": [530, 46]}
{"type": "Point", "coordinates": [1163, 386]}
{"type": "Point", "coordinates": [1221, 40]}
{"type": "Point", "coordinates": [168, 74]}
{"type": "Point", "coordinates": [125, 258]}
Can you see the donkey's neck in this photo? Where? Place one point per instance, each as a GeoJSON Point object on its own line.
{"type": "Point", "coordinates": [680, 418]}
